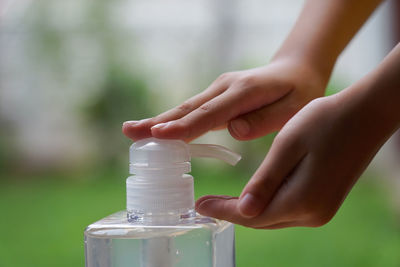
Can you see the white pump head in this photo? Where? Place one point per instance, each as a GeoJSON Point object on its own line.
{"type": "Point", "coordinates": [160, 188]}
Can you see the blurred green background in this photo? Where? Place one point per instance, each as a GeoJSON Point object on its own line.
{"type": "Point", "coordinates": [43, 219]}
{"type": "Point", "coordinates": [72, 71]}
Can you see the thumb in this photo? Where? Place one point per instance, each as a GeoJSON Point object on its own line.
{"type": "Point", "coordinates": [262, 121]}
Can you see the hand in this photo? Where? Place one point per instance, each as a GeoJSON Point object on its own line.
{"type": "Point", "coordinates": [312, 165]}
{"type": "Point", "coordinates": [252, 103]}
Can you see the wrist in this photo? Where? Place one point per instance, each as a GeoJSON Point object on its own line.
{"type": "Point", "coordinates": [305, 70]}
{"type": "Point", "coordinates": [371, 110]}
{"type": "Point", "coordinates": [372, 102]}
{"type": "Point", "coordinates": [319, 65]}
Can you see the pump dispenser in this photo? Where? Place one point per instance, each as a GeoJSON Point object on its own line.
{"type": "Point", "coordinates": [160, 227]}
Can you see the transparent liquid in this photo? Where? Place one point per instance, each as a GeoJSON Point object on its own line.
{"type": "Point", "coordinates": [113, 241]}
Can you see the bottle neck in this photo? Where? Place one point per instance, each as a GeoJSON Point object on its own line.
{"type": "Point", "coordinates": [172, 217]}
{"type": "Point", "coordinates": [160, 199]}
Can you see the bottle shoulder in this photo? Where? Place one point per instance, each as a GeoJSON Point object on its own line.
{"type": "Point", "coordinates": [116, 225]}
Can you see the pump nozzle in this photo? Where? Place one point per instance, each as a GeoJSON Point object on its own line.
{"type": "Point", "coordinates": [160, 188]}
{"type": "Point", "coordinates": [214, 151]}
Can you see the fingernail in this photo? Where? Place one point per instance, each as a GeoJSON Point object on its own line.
{"type": "Point", "coordinates": [129, 123]}
{"type": "Point", "coordinates": [240, 127]}
{"type": "Point", "coordinates": [144, 120]}
{"type": "Point", "coordinates": [250, 206]}
{"type": "Point", "coordinates": [160, 125]}
{"type": "Point", "coordinates": [205, 206]}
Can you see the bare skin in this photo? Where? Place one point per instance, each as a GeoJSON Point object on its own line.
{"type": "Point", "coordinates": [259, 101]}
{"type": "Point", "coordinates": [322, 149]}
{"type": "Point", "coordinates": [317, 156]}
{"type": "Point", "coordinates": [273, 94]}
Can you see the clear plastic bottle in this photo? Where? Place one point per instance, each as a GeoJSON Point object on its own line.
{"type": "Point", "coordinates": [160, 227]}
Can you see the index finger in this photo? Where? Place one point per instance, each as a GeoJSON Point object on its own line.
{"type": "Point", "coordinates": [141, 129]}
{"type": "Point", "coordinates": [226, 208]}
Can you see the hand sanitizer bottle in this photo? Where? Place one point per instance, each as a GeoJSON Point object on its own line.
{"type": "Point", "coordinates": [160, 227]}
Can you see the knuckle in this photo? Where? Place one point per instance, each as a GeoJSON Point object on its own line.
{"type": "Point", "coordinates": [207, 116]}
{"type": "Point", "coordinates": [261, 187]}
{"type": "Point", "coordinates": [320, 221]}
{"type": "Point", "coordinates": [247, 81]}
{"type": "Point", "coordinates": [317, 101]}
{"type": "Point", "coordinates": [289, 141]}
{"type": "Point", "coordinates": [281, 140]}
{"type": "Point", "coordinates": [206, 108]}
{"type": "Point", "coordinates": [224, 76]}
{"type": "Point", "coordinates": [319, 215]}
{"type": "Point", "coordinates": [185, 107]}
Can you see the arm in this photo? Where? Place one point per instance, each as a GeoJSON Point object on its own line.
{"type": "Point", "coordinates": [323, 30]}
{"type": "Point", "coordinates": [255, 102]}
{"type": "Point", "coordinates": [318, 155]}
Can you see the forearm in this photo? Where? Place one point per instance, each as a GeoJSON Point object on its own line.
{"type": "Point", "coordinates": [323, 30]}
{"type": "Point", "coordinates": [375, 99]}
{"type": "Point", "coordinates": [384, 89]}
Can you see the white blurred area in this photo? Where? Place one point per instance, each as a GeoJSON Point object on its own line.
{"type": "Point", "coordinates": [179, 46]}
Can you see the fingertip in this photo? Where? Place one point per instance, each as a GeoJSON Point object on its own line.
{"type": "Point", "coordinates": [133, 122]}
{"type": "Point", "coordinates": [213, 205]}
{"type": "Point", "coordinates": [127, 128]}
{"type": "Point", "coordinates": [243, 135]}
{"type": "Point", "coordinates": [204, 198]}
{"type": "Point", "coordinates": [223, 208]}
{"type": "Point", "coordinates": [205, 207]}
{"type": "Point", "coordinates": [158, 130]}
{"type": "Point", "coordinates": [170, 130]}
{"type": "Point", "coordinates": [239, 128]}
{"type": "Point", "coordinates": [136, 130]}
{"type": "Point", "coordinates": [200, 200]}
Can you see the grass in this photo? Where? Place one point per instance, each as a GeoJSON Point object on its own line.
{"type": "Point", "coordinates": [43, 219]}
